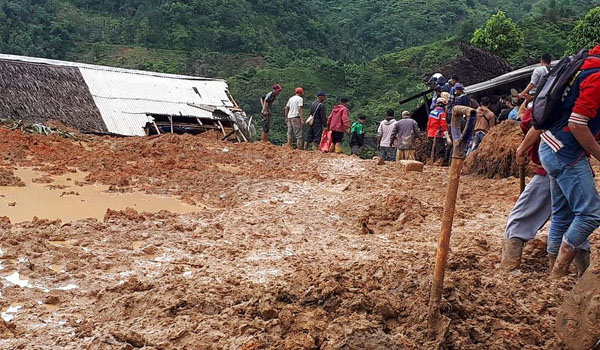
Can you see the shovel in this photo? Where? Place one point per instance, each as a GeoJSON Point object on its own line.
{"type": "Point", "coordinates": [438, 323]}
{"type": "Point", "coordinates": [522, 178]}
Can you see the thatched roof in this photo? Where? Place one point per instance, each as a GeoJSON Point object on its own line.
{"type": "Point", "coordinates": [475, 65]}
{"type": "Point", "coordinates": [38, 92]}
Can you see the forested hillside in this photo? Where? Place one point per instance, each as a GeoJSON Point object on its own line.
{"type": "Point", "coordinates": [374, 51]}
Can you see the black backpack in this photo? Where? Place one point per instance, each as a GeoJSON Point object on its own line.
{"type": "Point", "coordinates": [553, 89]}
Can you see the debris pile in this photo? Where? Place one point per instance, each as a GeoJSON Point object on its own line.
{"type": "Point", "coordinates": [495, 157]}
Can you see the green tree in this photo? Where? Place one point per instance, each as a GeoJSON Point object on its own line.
{"type": "Point", "coordinates": [586, 33]}
{"type": "Point", "coordinates": [499, 35]}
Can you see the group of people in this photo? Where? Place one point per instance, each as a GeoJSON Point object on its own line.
{"type": "Point", "coordinates": [563, 189]}
{"type": "Point", "coordinates": [395, 139]}
{"type": "Point", "coordinates": [450, 93]}
{"type": "Point", "coordinates": [338, 121]}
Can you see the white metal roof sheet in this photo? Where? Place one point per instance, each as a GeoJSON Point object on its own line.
{"type": "Point", "coordinates": [124, 98]}
{"type": "Point", "coordinates": [503, 79]}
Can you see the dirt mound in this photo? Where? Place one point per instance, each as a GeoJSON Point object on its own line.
{"type": "Point", "coordinates": [495, 156]}
{"type": "Point", "coordinates": [8, 178]}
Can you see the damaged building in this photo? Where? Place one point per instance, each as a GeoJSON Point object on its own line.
{"type": "Point", "coordinates": [107, 100]}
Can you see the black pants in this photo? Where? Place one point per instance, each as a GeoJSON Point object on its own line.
{"type": "Point", "coordinates": [440, 148]}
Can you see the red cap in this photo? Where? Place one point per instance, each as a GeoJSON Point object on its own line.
{"type": "Point", "coordinates": [299, 91]}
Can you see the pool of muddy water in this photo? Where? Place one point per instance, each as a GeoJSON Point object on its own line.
{"type": "Point", "coordinates": [65, 198]}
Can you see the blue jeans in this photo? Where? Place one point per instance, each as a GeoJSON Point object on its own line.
{"type": "Point", "coordinates": [388, 153]}
{"type": "Point", "coordinates": [575, 200]}
{"type": "Point", "coordinates": [476, 140]}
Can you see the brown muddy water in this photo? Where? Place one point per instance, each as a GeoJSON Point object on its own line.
{"type": "Point", "coordinates": [66, 199]}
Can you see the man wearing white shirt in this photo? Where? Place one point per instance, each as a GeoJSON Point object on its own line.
{"type": "Point", "coordinates": [294, 119]}
{"type": "Point", "coordinates": [537, 75]}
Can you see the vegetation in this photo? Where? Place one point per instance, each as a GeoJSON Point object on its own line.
{"type": "Point", "coordinates": [500, 35]}
{"type": "Point", "coordinates": [375, 52]}
{"type": "Point", "coordinates": [586, 33]}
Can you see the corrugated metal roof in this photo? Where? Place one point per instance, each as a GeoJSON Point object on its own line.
{"type": "Point", "coordinates": [124, 98]}
{"type": "Point", "coordinates": [503, 79]}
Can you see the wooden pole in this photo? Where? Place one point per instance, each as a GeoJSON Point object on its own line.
{"type": "Point", "coordinates": [444, 241]}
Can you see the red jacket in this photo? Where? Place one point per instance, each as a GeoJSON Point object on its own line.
{"type": "Point", "coordinates": [338, 119]}
{"type": "Point", "coordinates": [588, 102]}
{"type": "Point", "coordinates": [436, 125]}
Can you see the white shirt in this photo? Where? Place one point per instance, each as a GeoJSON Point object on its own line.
{"type": "Point", "coordinates": [536, 78]}
{"type": "Point", "coordinates": [294, 104]}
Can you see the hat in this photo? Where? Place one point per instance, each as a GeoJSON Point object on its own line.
{"type": "Point", "coordinates": [459, 86]}
{"type": "Point", "coordinates": [441, 100]}
{"type": "Point", "coordinates": [445, 95]}
{"type": "Point", "coordinates": [299, 91]}
{"type": "Point", "coordinates": [321, 93]}
{"type": "Point", "coordinates": [277, 87]}
{"type": "Point", "coordinates": [405, 114]}
{"type": "Point", "coordinates": [435, 77]}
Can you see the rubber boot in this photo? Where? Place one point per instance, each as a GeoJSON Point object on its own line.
{"type": "Point", "coordinates": [565, 256]}
{"type": "Point", "coordinates": [290, 142]}
{"type": "Point", "coordinates": [265, 137]}
{"type": "Point", "coordinates": [300, 143]}
{"type": "Point", "coordinates": [338, 148]}
{"type": "Point", "coordinates": [551, 261]}
{"type": "Point", "coordinates": [511, 254]}
{"type": "Point", "coordinates": [581, 261]}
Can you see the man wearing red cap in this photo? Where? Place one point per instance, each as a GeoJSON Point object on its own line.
{"type": "Point", "coordinates": [294, 119]}
{"type": "Point", "coordinates": [267, 103]}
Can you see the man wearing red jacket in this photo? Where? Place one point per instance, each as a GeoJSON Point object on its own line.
{"type": "Point", "coordinates": [338, 123]}
{"type": "Point", "coordinates": [437, 130]}
{"type": "Point", "coordinates": [575, 199]}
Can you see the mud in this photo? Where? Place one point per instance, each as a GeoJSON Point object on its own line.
{"type": "Point", "coordinates": [276, 259]}
{"type": "Point", "coordinates": [495, 156]}
{"type": "Point", "coordinates": [8, 178]}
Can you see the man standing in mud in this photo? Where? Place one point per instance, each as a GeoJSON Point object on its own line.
{"type": "Point", "coordinates": [318, 111]}
{"type": "Point", "coordinates": [267, 104]}
{"type": "Point", "coordinates": [575, 199]}
{"type": "Point", "coordinates": [534, 206]}
{"type": "Point", "coordinates": [294, 119]}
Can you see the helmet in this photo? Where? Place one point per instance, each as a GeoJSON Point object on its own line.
{"type": "Point", "coordinates": [441, 100]}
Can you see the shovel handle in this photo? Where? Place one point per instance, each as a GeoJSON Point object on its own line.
{"type": "Point", "coordinates": [521, 178]}
{"type": "Point", "coordinates": [461, 139]}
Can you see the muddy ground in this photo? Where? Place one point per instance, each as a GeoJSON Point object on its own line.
{"type": "Point", "coordinates": [274, 258]}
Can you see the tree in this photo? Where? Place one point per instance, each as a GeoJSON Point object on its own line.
{"type": "Point", "coordinates": [499, 35]}
{"type": "Point", "coordinates": [586, 33]}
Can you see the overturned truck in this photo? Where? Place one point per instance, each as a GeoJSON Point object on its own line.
{"type": "Point", "coordinates": [108, 100]}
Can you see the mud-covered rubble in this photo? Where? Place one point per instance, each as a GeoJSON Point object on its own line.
{"type": "Point", "coordinates": [276, 257]}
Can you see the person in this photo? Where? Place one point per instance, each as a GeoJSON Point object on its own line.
{"type": "Point", "coordinates": [338, 123]}
{"type": "Point", "coordinates": [437, 130]}
{"type": "Point", "coordinates": [534, 206]}
{"type": "Point", "coordinates": [267, 104]}
{"type": "Point", "coordinates": [404, 133]}
{"type": "Point", "coordinates": [536, 76]}
{"type": "Point", "coordinates": [387, 151]}
{"type": "Point", "coordinates": [294, 118]}
{"type": "Point", "coordinates": [460, 97]}
{"type": "Point", "coordinates": [506, 108]}
{"type": "Point", "coordinates": [484, 122]}
{"type": "Point", "coordinates": [357, 135]}
{"type": "Point", "coordinates": [319, 112]}
{"type": "Point", "coordinates": [575, 199]}
{"type": "Point", "coordinates": [452, 85]}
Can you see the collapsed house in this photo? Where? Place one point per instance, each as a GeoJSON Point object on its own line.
{"type": "Point", "coordinates": [107, 100]}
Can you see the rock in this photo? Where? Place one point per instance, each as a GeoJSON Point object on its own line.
{"type": "Point", "coordinates": [410, 165]}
